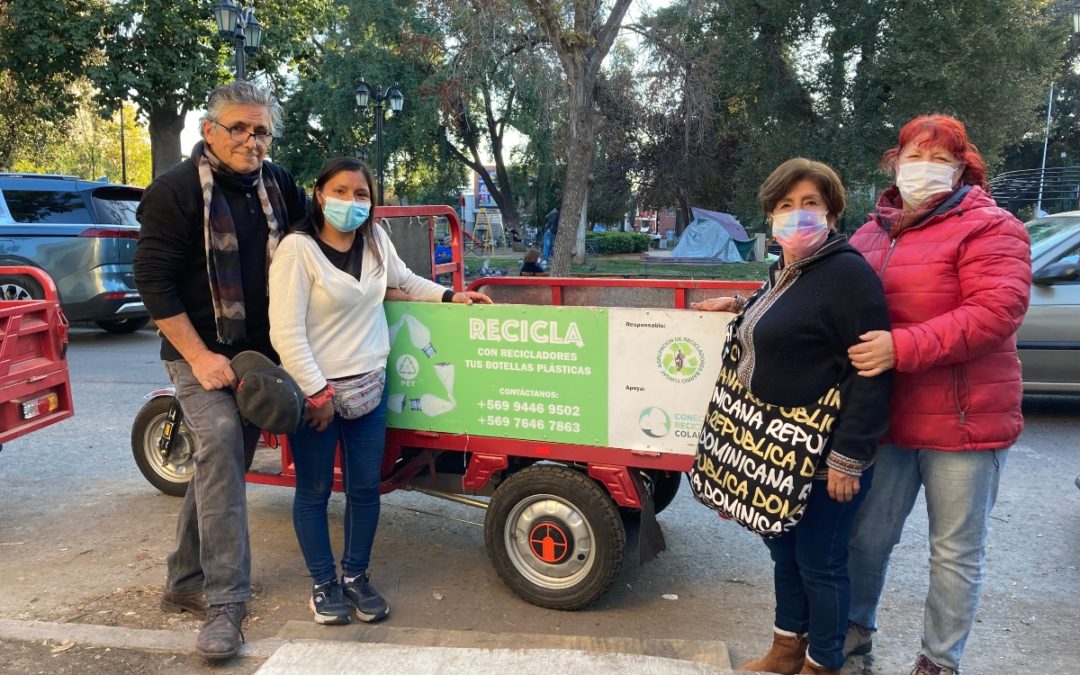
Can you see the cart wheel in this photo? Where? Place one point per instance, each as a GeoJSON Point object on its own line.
{"type": "Point", "coordinates": [554, 537]}
{"type": "Point", "coordinates": [172, 479]}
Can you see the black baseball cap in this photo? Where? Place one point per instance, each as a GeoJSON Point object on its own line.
{"type": "Point", "coordinates": [266, 395]}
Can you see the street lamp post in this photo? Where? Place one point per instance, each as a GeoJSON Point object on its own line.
{"type": "Point", "coordinates": [535, 182]}
{"type": "Point", "coordinates": [239, 25]}
{"type": "Point", "coordinates": [393, 96]}
{"type": "Point", "coordinates": [1049, 111]}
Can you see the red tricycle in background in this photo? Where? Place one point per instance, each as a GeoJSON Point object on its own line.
{"type": "Point", "coordinates": [35, 389]}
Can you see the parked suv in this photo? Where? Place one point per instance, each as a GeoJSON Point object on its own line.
{"type": "Point", "coordinates": [83, 234]}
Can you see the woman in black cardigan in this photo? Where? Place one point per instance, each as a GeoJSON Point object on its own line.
{"type": "Point", "coordinates": [821, 295]}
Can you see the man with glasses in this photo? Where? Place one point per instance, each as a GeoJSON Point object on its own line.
{"type": "Point", "coordinates": [209, 228]}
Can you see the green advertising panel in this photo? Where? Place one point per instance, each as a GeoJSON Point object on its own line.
{"type": "Point", "coordinates": [512, 371]}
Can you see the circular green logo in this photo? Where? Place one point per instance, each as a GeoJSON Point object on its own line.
{"type": "Point", "coordinates": [655, 422]}
{"type": "Point", "coordinates": [680, 359]}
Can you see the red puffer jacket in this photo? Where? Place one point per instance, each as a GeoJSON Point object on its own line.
{"type": "Point", "coordinates": [957, 285]}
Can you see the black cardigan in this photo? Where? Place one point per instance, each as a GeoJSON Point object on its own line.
{"type": "Point", "coordinates": [170, 259]}
{"type": "Point", "coordinates": [800, 327]}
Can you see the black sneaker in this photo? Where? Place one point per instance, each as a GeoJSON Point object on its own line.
{"type": "Point", "coordinates": [364, 600]}
{"type": "Point", "coordinates": [328, 604]}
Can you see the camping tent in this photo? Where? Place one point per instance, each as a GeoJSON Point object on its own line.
{"type": "Point", "coordinates": [728, 221]}
{"type": "Point", "coordinates": [708, 240]}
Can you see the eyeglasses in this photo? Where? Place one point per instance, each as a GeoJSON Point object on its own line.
{"type": "Point", "coordinates": [241, 136]}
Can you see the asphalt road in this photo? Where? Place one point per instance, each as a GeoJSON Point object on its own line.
{"type": "Point", "coordinates": [83, 538]}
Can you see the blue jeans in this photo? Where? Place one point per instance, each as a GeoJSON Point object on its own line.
{"type": "Point", "coordinates": [961, 488]}
{"type": "Point", "coordinates": [362, 442]}
{"type": "Point", "coordinates": [810, 572]}
{"type": "Point", "coordinates": [549, 241]}
{"type": "Point", "coordinates": [212, 553]}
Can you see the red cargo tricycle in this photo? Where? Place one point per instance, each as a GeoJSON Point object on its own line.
{"type": "Point", "coordinates": [35, 388]}
{"type": "Point", "coordinates": [557, 410]}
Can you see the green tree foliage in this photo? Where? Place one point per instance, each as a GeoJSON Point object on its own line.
{"type": "Point", "coordinates": [87, 144]}
{"type": "Point", "coordinates": [494, 79]}
{"type": "Point", "coordinates": [384, 43]}
{"type": "Point", "coordinates": [164, 55]}
{"type": "Point", "coordinates": [44, 46]}
{"type": "Point", "coordinates": [835, 81]}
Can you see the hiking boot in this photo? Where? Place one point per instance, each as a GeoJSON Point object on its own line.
{"type": "Point", "coordinates": [858, 641]}
{"type": "Point", "coordinates": [786, 656]}
{"type": "Point", "coordinates": [924, 666]}
{"type": "Point", "coordinates": [365, 601]}
{"type": "Point", "coordinates": [328, 604]}
{"type": "Point", "coordinates": [221, 637]}
{"type": "Point", "coordinates": [178, 603]}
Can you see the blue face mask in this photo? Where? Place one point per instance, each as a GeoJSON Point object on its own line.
{"type": "Point", "coordinates": [345, 216]}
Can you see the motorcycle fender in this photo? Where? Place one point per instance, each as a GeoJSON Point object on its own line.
{"type": "Point", "coordinates": [160, 393]}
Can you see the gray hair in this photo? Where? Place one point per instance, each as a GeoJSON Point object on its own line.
{"type": "Point", "coordinates": [243, 93]}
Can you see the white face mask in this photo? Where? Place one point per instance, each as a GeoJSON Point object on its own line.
{"type": "Point", "coordinates": [919, 181]}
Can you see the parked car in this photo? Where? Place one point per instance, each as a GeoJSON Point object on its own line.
{"type": "Point", "coordinates": [1049, 339]}
{"type": "Point", "coordinates": [83, 234]}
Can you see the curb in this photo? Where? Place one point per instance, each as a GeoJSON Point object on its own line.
{"type": "Point", "coordinates": [123, 638]}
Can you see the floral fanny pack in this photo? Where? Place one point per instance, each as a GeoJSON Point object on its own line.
{"type": "Point", "coordinates": [358, 395]}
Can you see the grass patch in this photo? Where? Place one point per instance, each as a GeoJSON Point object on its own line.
{"type": "Point", "coordinates": [632, 268]}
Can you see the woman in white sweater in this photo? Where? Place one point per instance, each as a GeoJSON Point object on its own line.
{"type": "Point", "coordinates": [328, 280]}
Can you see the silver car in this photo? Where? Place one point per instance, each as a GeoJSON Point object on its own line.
{"type": "Point", "coordinates": [83, 234]}
{"type": "Point", "coordinates": [1049, 339]}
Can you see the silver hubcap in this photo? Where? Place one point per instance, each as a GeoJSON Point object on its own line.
{"type": "Point", "coordinates": [183, 446]}
{"type": "Point", "coordinates": [14, 292]}
{"type": "Point", "coordinates": [549, 542]}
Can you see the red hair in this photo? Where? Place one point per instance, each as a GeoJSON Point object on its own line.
{"type": "Point", "coordinates": [948, 133]}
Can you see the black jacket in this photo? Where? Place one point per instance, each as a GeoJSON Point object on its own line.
{"type": "Point", "coordinates": [796, 333]}
{"type": "Point", "coordinates": [170, 259]}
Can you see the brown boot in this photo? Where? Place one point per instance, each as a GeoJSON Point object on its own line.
{"type": "Point", "coordinates": [811, 668]}
{"type": "Point", "coordinates": [785, 656]}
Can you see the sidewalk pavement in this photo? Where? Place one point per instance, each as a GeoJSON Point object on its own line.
{"type": "Point", "coordinates": [302, 647]}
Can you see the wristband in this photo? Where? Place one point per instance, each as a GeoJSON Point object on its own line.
{"type": "Point", "coordinates": [319, 399]}
{"type": "Point", "coordinates": [448, 295]}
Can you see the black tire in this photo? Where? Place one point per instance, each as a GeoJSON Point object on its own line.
{"type": "Point", "coordinates": [20, 287]}
{"type": "Point", "coordinates": [145, 432]}
{"type": "Point", "coordinates": [663, 485]}
{"type": "Point", "coordinates": [123, 326]}
{"type": "Point", "coordinates": [587, 548]}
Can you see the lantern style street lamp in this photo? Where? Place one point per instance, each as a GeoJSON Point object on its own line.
{"type": "Point", "coordinates": [239, 25]}
{"type": "Point", "coordinates": [396, 101]}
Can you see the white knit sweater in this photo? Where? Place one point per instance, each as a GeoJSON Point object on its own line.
{"type": "Point", "coordinates": [324, 323]}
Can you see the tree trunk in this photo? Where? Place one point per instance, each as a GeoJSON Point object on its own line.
{"type": "Point", "coordinates": [579, 157]}
{"type": "Point", "coordinates": [165, 127]}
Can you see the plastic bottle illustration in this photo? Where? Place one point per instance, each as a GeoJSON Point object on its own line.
{"type": "Point", "coordinates": [395, 328]}
{"type": "Point", "coordinates": [431, 405]}
{"type": "Point", "coordinates": [396, 403]}
{"type": "Point", "coordinates": [419, 335]}
{"type": "Point", "coordinates": [445, 372]}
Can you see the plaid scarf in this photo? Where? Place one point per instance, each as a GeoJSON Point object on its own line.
{"type": "Point", "coordinates": [222, 249]}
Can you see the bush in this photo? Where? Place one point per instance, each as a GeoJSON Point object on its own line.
{"type": "Point", "coordinates": [612, 242]}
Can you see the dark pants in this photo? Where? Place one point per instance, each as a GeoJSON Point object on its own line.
{"type": "Point", "coordinates": [313, 454]}
{"type": "Point", "coordinates": [810, 575]}
{"type": "Point", "coordinates": [212, 553]}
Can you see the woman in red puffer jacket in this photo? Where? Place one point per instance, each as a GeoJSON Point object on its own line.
{"type": "Point", "coordinates": [957, 276]}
